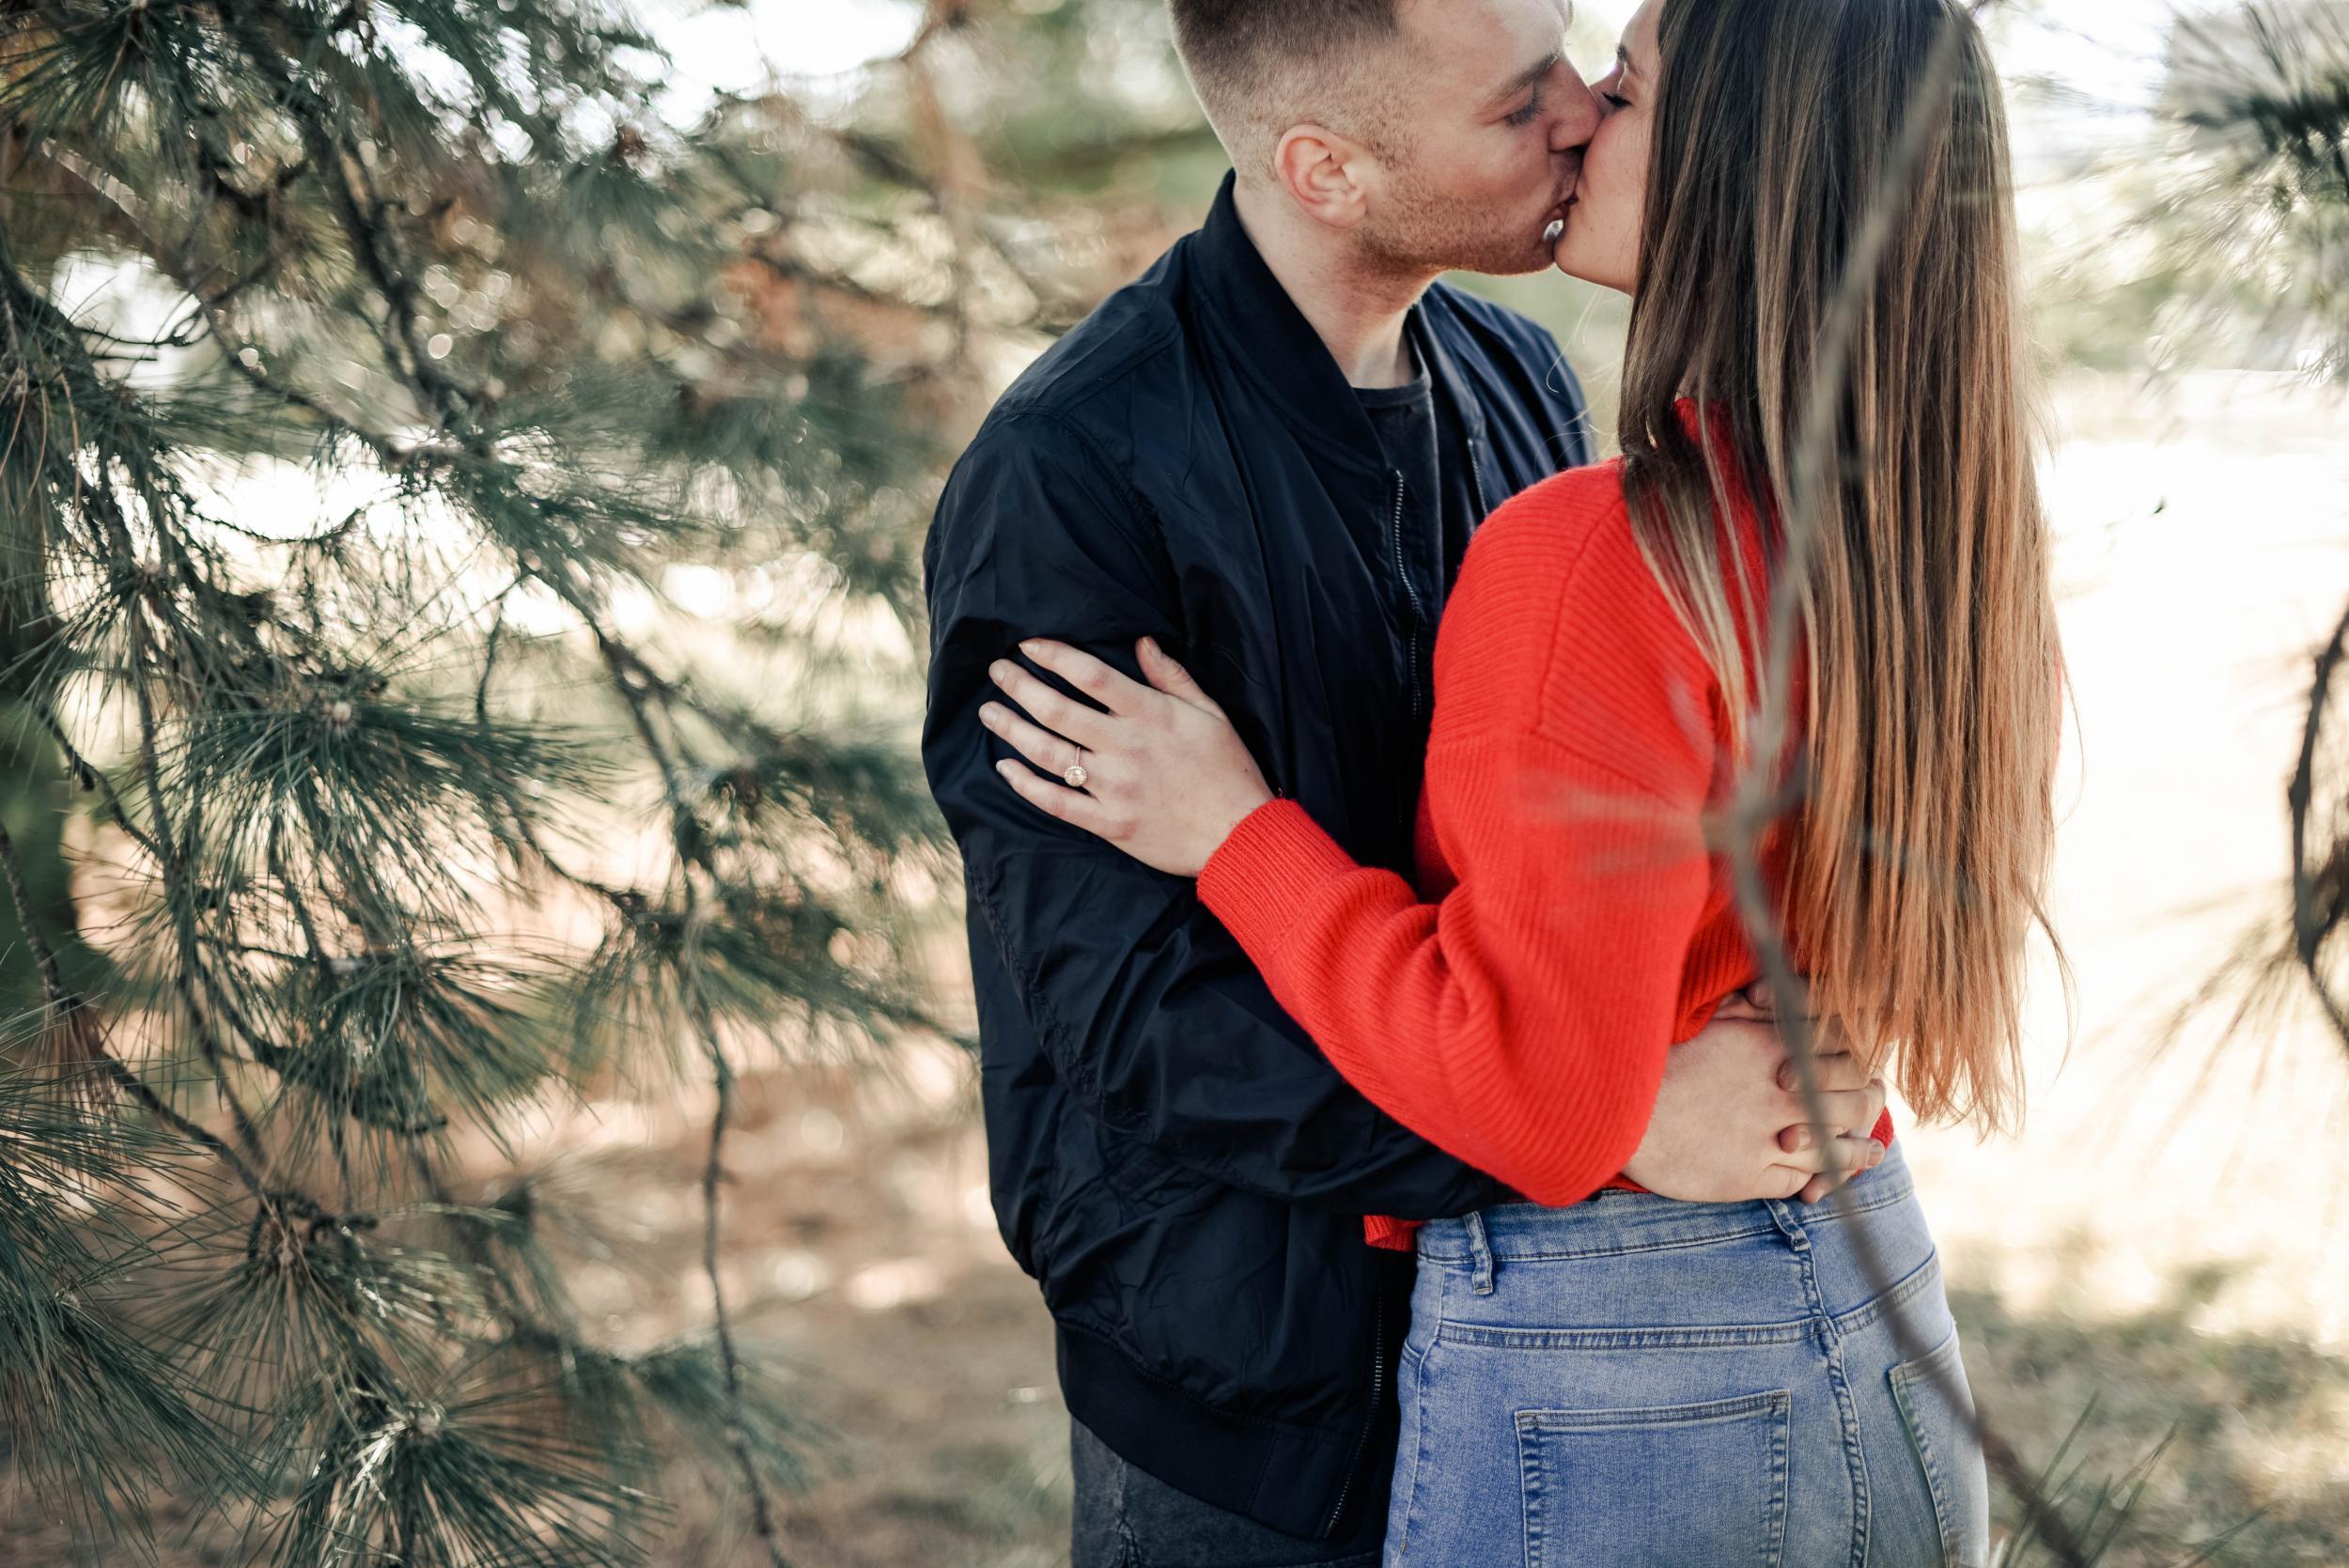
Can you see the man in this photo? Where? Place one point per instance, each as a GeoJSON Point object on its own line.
{"type": "Point", "coordinates": [1269, 453]}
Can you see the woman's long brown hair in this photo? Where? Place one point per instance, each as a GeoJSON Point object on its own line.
{"type": "Point", "coordinates": [1917, 861]}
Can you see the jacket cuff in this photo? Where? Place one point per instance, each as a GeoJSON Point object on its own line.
{"type": "Point", "coordinates": [1267, 874]}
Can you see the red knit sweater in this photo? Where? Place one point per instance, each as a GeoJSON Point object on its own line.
{"type": "Point", "coordinates": [1570, 925]}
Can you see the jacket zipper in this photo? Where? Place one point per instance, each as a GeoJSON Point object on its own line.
{"type": "Point", "coordinates": [1418, 611]}
{"type": "Point", "coordinates": [1377, 1394]}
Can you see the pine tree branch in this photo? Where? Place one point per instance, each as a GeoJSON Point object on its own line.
{"type": "Point", "coordinates": [185, 649]}
{"type": "Point", "coordinates": [373, 243]}
{"type": "Point", "coordinates": [714, 1169]}
{"type": "Point", "coordinates": [626, 667]}
{"type": "Point", "coordinates": [89, 776]}
{"type": "Point", "coordinates": [2317, 911]}
{"type": "Point", "coordinates": [99, 503]}
{"type": "Point", "coordinates": [177, 893]}
{"type": "Point", "coordinates": [82, 1018]}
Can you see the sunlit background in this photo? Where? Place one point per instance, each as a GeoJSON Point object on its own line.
{"type": "Point", "coordinates": [2163, 1253]}
{"type": "Point", "coordinates": [2160, 1262]}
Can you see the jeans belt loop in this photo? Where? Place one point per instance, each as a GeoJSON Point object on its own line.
{"type": "Point", "coordinates": [1480, 1255]}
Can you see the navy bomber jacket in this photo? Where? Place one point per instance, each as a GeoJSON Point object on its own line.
{"type": "Point", "coordinates": [1169, 1155]}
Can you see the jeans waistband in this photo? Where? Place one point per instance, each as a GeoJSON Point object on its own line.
{"type": "Point", "coordinates": [1614, 1221]}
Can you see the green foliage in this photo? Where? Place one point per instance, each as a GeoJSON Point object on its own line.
{"type": "Point", "coordinates": [474, 511]}
{"type": "Point", "coordinates": [2254, 219]}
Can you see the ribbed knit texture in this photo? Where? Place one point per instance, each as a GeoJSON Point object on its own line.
{"type": "Point", "coordinates": [1569, 926]}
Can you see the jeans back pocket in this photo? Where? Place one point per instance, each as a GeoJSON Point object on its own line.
{"type": "Point", "coordinates": [1662, 1487]}
{"type": "Point", "coordinates": [1941, 1435]}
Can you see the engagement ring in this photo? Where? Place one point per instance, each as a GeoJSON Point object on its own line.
{"type": "Point", "coordinates": [1076, 775]}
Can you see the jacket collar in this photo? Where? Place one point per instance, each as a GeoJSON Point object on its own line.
{"type": "Point", "coordinates": [1277, 349]}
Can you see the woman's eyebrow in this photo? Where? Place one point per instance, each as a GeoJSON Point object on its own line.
{"type": "Point", "coordinates": [1622, 58]}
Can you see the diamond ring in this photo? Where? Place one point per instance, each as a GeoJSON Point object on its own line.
{"type": "Point", "coordinates": [1076, 775]}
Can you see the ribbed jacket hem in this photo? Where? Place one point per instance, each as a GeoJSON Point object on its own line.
{"type": "Point", "coordinates": [1284, 1475]}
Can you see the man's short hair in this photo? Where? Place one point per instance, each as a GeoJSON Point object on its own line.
{"type": "Point", "coordinates": [1261, 66]}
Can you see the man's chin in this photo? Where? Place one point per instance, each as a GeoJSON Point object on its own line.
{"type": "Point", "coordinates": [1540, 259]}
{"type": "Point", "coordinates": [1536, 256]}
{"type": "Point", "coordinates": [1535, 252]}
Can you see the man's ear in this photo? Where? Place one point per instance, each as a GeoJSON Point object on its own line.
{"type": "Point", "coordinates": [1327, 174]}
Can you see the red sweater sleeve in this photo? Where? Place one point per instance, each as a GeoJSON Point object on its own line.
{"type": "Point", "coordinates": [1522, 1021]}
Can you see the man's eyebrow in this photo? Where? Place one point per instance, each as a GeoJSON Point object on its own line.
{"type": "Point", "coordinates": [1530, 76]}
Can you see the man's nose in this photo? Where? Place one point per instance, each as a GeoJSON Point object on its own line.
{"type": "Point", "coordinates": [1578, 113]}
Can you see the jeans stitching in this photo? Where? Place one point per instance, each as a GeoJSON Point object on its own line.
{"type": "Point", "coordinates": [1711, 1337]}
{"type": "Point", "coordinates": [1775, 1406]}
{"type": "Point", "coordinates": [1531, 1486]}
{"type": "Point", "coordinates": [1831, 1350]}
{"type": "Point", "coordinates": [1570, 1253]}
{"type": "Point", "coordinates": [1919, 1280]}
{"type": "Point", "coordinates": [1774, 1512]}
{"type": "Point", "coordinates": [1646, 1418]}
{"type": "Point", "coordinates": [1734, 1337]}
{"type": "Point", "coordinates": [1904, 1379]}
{"type": "Point", "coordinates": [1765, 1226]}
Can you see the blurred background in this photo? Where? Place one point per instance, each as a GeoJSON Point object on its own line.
{"type": "Point", "coordinates": [569, 451]}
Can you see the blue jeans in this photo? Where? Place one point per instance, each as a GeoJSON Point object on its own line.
{"type": "Point", "coordinates": [1633, 1382]}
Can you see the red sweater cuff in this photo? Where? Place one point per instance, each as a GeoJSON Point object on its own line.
{"type": "Point", "coordinates": [1267, 872]}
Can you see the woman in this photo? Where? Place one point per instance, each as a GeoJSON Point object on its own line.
{"type": "Point", "coordinates": [1651, 1381]}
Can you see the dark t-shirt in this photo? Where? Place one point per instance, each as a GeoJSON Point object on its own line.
{"type": "Point", "coordinates": [1425, 447]}
{"type": "Point", "coordinates": [1405, 418]}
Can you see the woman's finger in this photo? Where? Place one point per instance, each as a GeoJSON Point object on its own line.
{"type": "Point", "coordinates": [1856, 1160]}
{"type": "Point", "coordinates": [1852, 1111]}
{"type": "Point", "coordinates": [1064, 716]}
{"type": "Point", "coordinates": [1806, 1155]}
{"type": "Point", "coordinates": [1172, 679]}
{"type": "Point", "coordinates": [1088, 674]}
{"type": "Point", "coordinates": [1074, 807]}
{"type": "Point", "coordinates": [1802, 1149]}
{"type": "Point", "coordinates": [1039, 745]}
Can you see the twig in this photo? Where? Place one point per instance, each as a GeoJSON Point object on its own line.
{"type": "Point", "coordinates": [1755, 805]}
{"type": "Point", "coordinates": [713, 1173]}
{"type": "Point", "coordinates": [2312, 924]}
{"type": "Point", "coordinates": [70, 1011]}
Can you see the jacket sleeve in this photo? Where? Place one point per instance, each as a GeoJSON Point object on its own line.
{"type": "Point", "coordinates": [1153, 1020]}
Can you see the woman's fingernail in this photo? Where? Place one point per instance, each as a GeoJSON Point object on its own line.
{"type": "Point", "coordinates": [1005, 767]}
